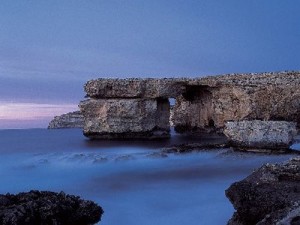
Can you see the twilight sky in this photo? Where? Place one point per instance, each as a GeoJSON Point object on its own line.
{"type": "Point", "coordinates": [49, 49]}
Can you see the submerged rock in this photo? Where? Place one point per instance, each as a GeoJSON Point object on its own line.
{"type": "Point", "coordinates": [270, 195]}
{"type": "Point", "coordinates": [258, 134]}
{"type": "Point", "coordinates": [189, 147]}
{"type": "Point", "coordinates": [69, 120]}
{"type": "Point", "coordinates": [47, 208]}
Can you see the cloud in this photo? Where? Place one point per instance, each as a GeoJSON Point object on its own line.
{"type": "Point", "coordinates": [33, 111]}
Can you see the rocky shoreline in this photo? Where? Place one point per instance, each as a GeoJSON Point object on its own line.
{"type": "Point", "coordinates": [257, 112]}
{"type": "Point", "coordinates": [47, 208]}
{"type": "Point", "coordinates": [270, 195]}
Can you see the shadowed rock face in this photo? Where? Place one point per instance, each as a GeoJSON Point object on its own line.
{"type": "Point", "coordinates": [68, 120]}
{"type": "Point", "coordinates": [202, 104]}
{"type": "Point", "coordinates": [210, 102]}
{"type": "Point", "coordinates": [47, 208]}
{"type": "Point", "coordinates": [270, 195]}
{"type": "Point", "coordinates": [260, 134]}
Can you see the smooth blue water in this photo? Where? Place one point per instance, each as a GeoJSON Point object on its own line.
{"type": "Point", "coordinates": [133, 188]}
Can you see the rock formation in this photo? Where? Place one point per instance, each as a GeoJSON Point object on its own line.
{"type": "Point", "coordinates": [258, 134]}
{"type": "Point", "coordinates": [270, 195]}
{"type": "Point", "coordinates": [68, 120]}
{"type": "Point", "coordinates": [47, 208]}
{"type": "Point", "coordinates": [210, 102]}
{"type": "Point", "coordinates": [202, 104]}
{"type": "Point", "coordinates": [126, 118]}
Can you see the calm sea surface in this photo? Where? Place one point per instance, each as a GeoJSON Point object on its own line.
{"type": "Point", "coordinates": [129, 179]}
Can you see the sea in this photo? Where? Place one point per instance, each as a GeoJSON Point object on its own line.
{"type": "Point", "coordinates": [133, 181]}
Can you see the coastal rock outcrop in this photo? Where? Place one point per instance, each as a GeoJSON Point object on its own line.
{"type": "Point", "coordinates": [47, 208]}
{"type": "Point", "coordinates": [209, 102]}
{"type": "Point", "coordinates": [69, 120]}
{"type": "Point", "coordinates": [126, 118]}
{"type": "Point", "coordinates": [270, 195]}
{"type": "Point", "coordinates": [258, 134]}
{"type": "Point", "coordinates": [202, 104]}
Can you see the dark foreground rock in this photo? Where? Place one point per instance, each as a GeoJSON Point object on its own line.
{"type": "Point", "coordinates": [69, 120]}
{"type": "Point", "coordinates": [270, 195]}
{"type": "Point", "coordinates": [47, 208]}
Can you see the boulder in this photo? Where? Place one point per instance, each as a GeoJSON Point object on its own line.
{"type": "Point", "coordinates": [47, 208]}
{"type": "Point", "coordinates": [270, 195]}
{"type": "Point", "coordinates": [68, 120]}
{"type": "Point", "coordinates": [258, 134]}
{"type": "Point", "coordinates": [126, 118]}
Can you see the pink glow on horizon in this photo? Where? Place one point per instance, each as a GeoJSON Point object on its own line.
{"type": "Point", "coordinates": [30, 115]}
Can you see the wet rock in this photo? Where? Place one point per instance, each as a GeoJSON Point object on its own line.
{"type": "Point", "coordinates": [124, 158]}
{"type": "Point", "coordinates": [270, 195]}
{"type": "Point", "coordinates": [126, 118]}
{"type": "Point", "coordinates": [189, 147]}
{"type": "Point", "coordinates": [157, 155]}
{"type": "Point", "coordinates": [68, 120]}
{"type": "Point", "coordinates": [47, 208]}
{"type": "Point", "coordinates": [258, 134]}
{"type": "Point", "coordinates": [100, 160]}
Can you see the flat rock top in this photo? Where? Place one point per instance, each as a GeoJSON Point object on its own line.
{"type": "Point", "coordinates": [172, 87]}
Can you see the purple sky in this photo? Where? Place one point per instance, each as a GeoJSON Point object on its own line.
{"type": "Point", "coordinates": [49, 49]}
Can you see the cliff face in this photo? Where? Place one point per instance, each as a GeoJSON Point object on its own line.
{"type": "Point", "coordinates": [210, 102]}
{"type": "Point", "coordinates": [68, 120]}
{"type": "Point", "coordinates": [205, 104]}
{"type": "Point", "coordinates": [126, 118]}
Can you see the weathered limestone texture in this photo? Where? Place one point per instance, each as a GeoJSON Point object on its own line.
{"type": "Point", "coordinates": [210, 102]}
{"type": "Point", "coordinates": [270, 195]}
{"type": "Point", "coordinates": [202, 104]}
{"type": "Point", "coordinates": [126, 118]}
{"type": "Point", "coordinates": [134, 88]}
{"type": "Point", "coordinates": [258, 134]}
{"type": "Point", "coordinates": [68, 120]}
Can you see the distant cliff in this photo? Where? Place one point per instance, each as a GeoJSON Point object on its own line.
{"type": "Point", "coordinates": [68, 120]}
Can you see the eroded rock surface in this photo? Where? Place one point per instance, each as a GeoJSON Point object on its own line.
{"type": "Point", "coordinates": [202, 104]}
{"type": "Point", "coordinates": [258, 134]}
{"type": "Point", "coordinates": [47, 208]}
{"type": "Point", "coordinates": [135, 88]}
{"type": "Point", "coordinates": [270, 195]}
{"type": "Point", "coordinates": [68, 120]}
{"type": "Point", "coordinates": [209, 102]}
{"type": "Point", "coordinates": [126, 118]}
